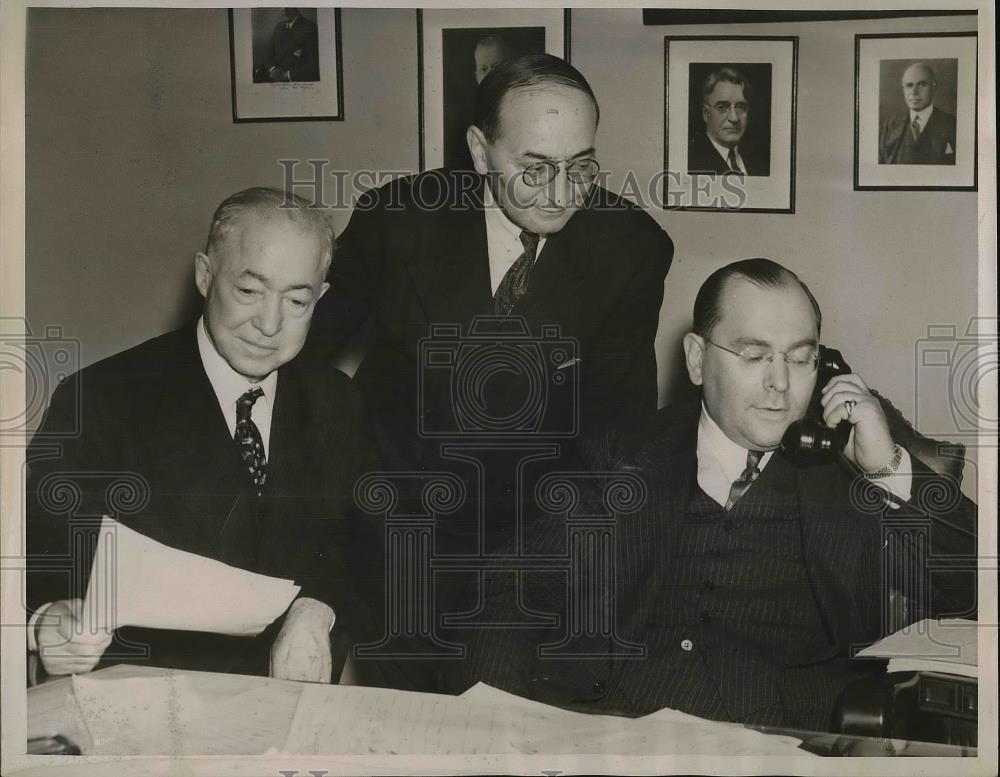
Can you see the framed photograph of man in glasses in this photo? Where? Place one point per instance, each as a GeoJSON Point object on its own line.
{"type": "Point", "coordinates": [457, 49]}
{"type": "Point", "coordinates": [729, 123]}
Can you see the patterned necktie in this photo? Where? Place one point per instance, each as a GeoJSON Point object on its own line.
{"type": "Point", "coordinates": [732, 161]}
{"type": "Point", "coordinates": [515, 282]}
{"type": "Point", "coordinates": [746, 478]}
{"type": "Point", "coordinates": [915, 128]}
{"type": "Point", "coordinates": [248, 437]}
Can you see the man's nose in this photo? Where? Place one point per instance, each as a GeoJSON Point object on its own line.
{"type": "Point", "coordinates": [269, 316]}
{"type": "Point", "coordinates": [776, 377]}
{"type": "Point", "coordinates": [561, 188]}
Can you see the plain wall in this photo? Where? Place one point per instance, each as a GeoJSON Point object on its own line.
{"type": "Point", "coordinates": [131, 144]}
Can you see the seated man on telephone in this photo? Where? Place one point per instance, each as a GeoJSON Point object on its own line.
{"type": "Point", "coordinates": [749, 573]}
{"type": "Point", "coordinates": [244, 457]}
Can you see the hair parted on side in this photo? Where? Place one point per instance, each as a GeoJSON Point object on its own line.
{"type": "Point", "coordinates": [518, 73]}
{"type": "Point", "coordinates": [226, 218]}
{"type": "Point", "coordinates": [761, 272]}
{"type": "Point", "coordinates": [729, 74]}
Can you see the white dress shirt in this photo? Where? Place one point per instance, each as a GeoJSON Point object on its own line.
{"type": "Point", "coordinates": [503, 239]}
{"type": "Point", "coordinates": [724, 153]}
{"type": "Point", "coordinates": [721, 462]}
{"type": "Point", "coordinates": [229, 386]}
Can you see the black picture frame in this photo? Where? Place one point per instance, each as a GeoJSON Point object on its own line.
{"type": "Point", "coordinates": [444, 34]}
{"type": "Point", "coordinates": [315, 96]}
{"type": "Point", "coordinates": [766, 150]}
{"type": "Point", "coordinates": [946, 160]}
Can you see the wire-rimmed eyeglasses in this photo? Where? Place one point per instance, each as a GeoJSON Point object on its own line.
{"type": "Point", "coordinates": [801, 361]}
{"type": "Point", "coordinates": [579, 171]}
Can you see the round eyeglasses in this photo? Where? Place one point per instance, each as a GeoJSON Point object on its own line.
{"type": "Point", "coordinates": [801, 361]}
{"type": "Point", "coordinates": [578, 171]}
{"type": "Point", "coordinates": [723, 108]}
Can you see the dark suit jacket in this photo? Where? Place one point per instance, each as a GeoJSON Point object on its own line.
{"type": "Point", "coordinates": [148, 419]}
{"type": "Point", "coordinates": [936, 145]}
{"type": "Point", "coordinates": [703, 158]}
{"type": "Point", "coordinates": [296, 50]}
{"type": "Point", "coordinates": [841, 547]}
{"type": "Point", "coordinates": [415, 255]}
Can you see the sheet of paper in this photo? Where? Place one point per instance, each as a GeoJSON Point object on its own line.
{"type": "Point", "coordinates": [136, 581]}
{"type": "Point", "coordinates": [946, 645]}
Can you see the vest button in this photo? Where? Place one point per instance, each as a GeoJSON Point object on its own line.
{"type": "Point", "coordinates": [597, 688]}
{"type": "Point", "coordinates": [708, 585]}
{"type": "Point", "coordinates": [706, 617]}
{"type": "Point", "coordinates": [727, 525]}
{"type": "Point", "coordinates": [687, 645]}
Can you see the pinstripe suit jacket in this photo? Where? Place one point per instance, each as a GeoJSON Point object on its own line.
{"type": "Point", "coordinates": [843, 550]}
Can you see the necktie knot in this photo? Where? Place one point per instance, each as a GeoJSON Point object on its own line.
{"type": "Point", "coordinates": [530, 242]}
{"type": "Point", "coordinates": [246, 402]}
{"type": "Point", "coordinates": [746, 478]}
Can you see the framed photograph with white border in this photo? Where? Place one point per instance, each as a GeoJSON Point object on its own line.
{"type": "Point", "coordinates": [915, 111]}
{"type": "Point", "coordinates": [286, 64]}
{"type": "Point", "coordinates": [455, 49]}
{"type": "Point", "coordinates": [732, 149]}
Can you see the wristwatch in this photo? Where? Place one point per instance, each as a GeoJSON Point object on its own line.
{"type": "Point", "coordinates": [890, 468]}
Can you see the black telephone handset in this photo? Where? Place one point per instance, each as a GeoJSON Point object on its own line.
{"type": "Point", "coordinates": [810, 437]}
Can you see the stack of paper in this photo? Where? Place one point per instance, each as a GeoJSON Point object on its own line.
{"type": "Point", "coordinates": [947, 645]}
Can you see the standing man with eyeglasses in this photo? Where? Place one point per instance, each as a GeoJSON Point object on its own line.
{"type": "Point", "coordinates": [747, 576]}
{"type": "Point", "coordinates": [725, 110]}
{"type": "Point", "coordinates": [528, 239]}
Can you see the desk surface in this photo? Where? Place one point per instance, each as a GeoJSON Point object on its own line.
{"type": "Point", "coordinates": [130, 710]}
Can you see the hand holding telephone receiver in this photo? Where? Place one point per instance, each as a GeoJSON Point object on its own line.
{"type": "Point", "coordinates": [810, 438]}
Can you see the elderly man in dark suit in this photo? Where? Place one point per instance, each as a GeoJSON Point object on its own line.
{"type": "Point", "coordinates": [924, 135]}
{"type": "Point", "coordinates": [741, 576]}
{"type": "Point", "coordinates": [725, 110]}
{"type": "Point", "coordinates": [241, 455]}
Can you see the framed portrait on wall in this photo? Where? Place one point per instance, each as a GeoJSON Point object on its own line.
{"type": "Point", "coordinates": [729, 123]}
{"type": "Point", "coordinates": [456, 49]}
{"type": "Point", "coordinates": [915, 111]}
{"type": "Point", "coordinates": [286, 64]}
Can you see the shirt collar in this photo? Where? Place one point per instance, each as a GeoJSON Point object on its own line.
{"type": "Point", "coordinates": [228, 384]}
{"type": "Point", "coordinates": [723, 150]}
{"type": "Point", "coordinates": [731, 456]}
{"type": "Point", "coordinates": [496, 219]}
{"type": "Point", "coordinates": [924, 115]}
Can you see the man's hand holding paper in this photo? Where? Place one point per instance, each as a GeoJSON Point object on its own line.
{"type": "Point", "coordinates": [302, 648]}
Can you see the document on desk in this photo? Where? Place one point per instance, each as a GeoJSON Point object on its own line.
{"type": "Point", "coordinates": [137, 581]}
{"type": "Point", "coordinates": [947, 645]}
{"type": "Point", "coordinates": [333, 720]}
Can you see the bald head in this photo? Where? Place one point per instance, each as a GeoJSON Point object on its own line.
{"type": "Point", "coordinates": [919, 82]}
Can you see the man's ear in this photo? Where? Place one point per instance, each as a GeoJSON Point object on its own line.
{"type": "Point", "coordinates": [323, 290]}
{"type": "Point", "coordinates": [694, 352]}
{"type": "Point", "coordinates": [704, 114]}
{"type": "Point", "coordinates": [477, 148]}
{"type": "Point", "coordinates": [202, 273]}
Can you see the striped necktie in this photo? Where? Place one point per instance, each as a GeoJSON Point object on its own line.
{"type": "Point", "coordinates": [746, 478]}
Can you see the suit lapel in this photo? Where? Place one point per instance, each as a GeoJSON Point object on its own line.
{"type": "Point", "coordinates": [453, 276]}
{"type": "Point", "coordinates": [191, 441]}
{"type": "Point", "coordinates": [556, 288]}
